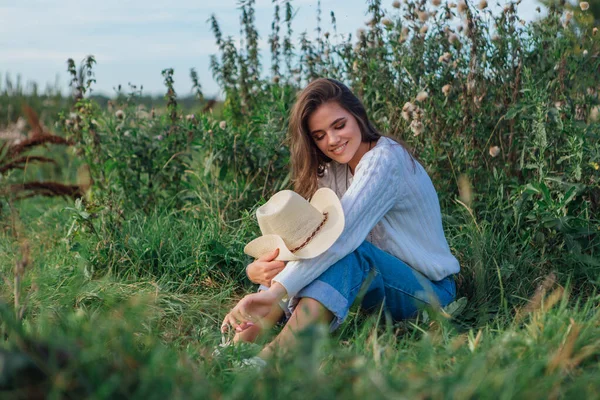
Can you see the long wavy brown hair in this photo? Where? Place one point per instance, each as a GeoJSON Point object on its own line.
{"type": "Point", "coordinates": [308, 162]}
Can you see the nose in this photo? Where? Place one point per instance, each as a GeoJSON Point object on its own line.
{"type": "Point", "coordinates": [333, 138]}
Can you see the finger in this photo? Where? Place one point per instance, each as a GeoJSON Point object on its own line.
{"type": "Point", "coordinates": [275, 265]}
{"type": "Point", "coordinates": [244, 325]}
{"type": "Point", "coordinates": [231, 321]}
{"type": "Point", "coordinates": [226, 323]}
{"type": "Point", "coordinates": [271, 256]}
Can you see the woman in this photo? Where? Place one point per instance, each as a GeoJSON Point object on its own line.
{"type": "Point", "coordinates": [393, 236]}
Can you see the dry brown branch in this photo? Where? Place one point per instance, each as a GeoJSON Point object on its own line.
{"type": "Point", "coordinates": [36, 141]}
{"type": "Point", "coordinates": [45, 189]}
{"type": "Point", "coordinates": [18, 163]}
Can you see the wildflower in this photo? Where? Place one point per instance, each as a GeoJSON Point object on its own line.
{"type": "Point", "coordinates": [462, 6]}
{"type": "Point", "coordinates": [416, 127]}
{"type": "Point", "coordinates": [494, 151]}
{"type": "Point", "coordinates": [446, 89]}
{"type": "Point", "coordinates": [276, 79]}
{"type": "Point", "coordinates": [424, 29]}
{"type": "Point", "coordinates": [69, 122]}
{"type": "Point", "coordinates": [452, 5]}
{"type": "Point", "coordinates": [120, 114]}
{"type": "Point", "coordinates": [452, 38]}
{"type": "Point", "coordinates": [584, 5]}
{"type": "Point", "coordinates": [396, 4]}
{"type": "Point", "coordinates": [406, 116]}
{"type": "Point", "coordinates": [483, 5]}
{"type": "Point", "coordinates": [507, 8]}
{"type": "Point", "coordinates": [445, 57]}
{"type": "Point", "coordinates": [568, 17]}
{"type": "Point", "coordinates": [190, 117]}
{"type": "Point", "coordinates": [326, 34]}
{"type": "Point", "coordinates": [422, 96]}
{"type": "Point", "coordinates": [159, 137]}
{"type": "Point", "coordinates": [223, 124]}
{"type": "Point", "coordinates": [436, 2]}
{"type": "Point", "coordinates": [585, 53]}
{"type": "Point", "coordinates": [423, 16]}
{"type": "Point", "coordinates": [371, 22]}
{"type": "Point", "coordinates": [210, 132]}
{"type": "Point", "coordinates": [127, 134]}
{"type": "Point", "coordinates": [360, 32]}
{"type": "Point", "coordinates": [408, 107]}
{"type": "Point", "coordinates": [387, 22]}
{"type": "Point", "coordinates": [594, 31]}
{"type": "Point", "coordinates": [558, 105]}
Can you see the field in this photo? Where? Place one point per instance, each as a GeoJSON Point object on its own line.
{"type": "Point", "coordinates": [123, 224]}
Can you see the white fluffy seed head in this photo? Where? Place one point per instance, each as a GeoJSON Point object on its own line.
{"type": "Point", "coordinates": [584, 5]}
{"type": "Point", "coordinates": [422, 96]}
{"type": "Point", "coordinates": [223, 124]}
{"type": "Point", "coordinates": [494, 151]}
{"type": "Point", "coordinates": [446, 89]}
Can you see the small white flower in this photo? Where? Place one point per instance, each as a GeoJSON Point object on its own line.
{"type": "Point", "coordinates": [223, 124]}
{"type": "Point", "coordinates": [120, 114]}
{"type": "Point", "coordinates": [584, 5]}
{"type": "Point", "coordinates": [494, 151]}
{"type": "Point", "coordinates": [585, 53]}
{"type": "Point", "coordinates": [159, 137]}
{"type": "Point", "coordinates": [422, 96]}
{"type": "Point", "coordinates": [190, 117]}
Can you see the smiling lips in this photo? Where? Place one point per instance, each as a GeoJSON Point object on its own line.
{"type": "Point", "coordinates": [340, 149]}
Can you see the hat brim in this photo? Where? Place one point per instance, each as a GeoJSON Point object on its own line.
{"type": "Point", "coordinates": [324, 200]}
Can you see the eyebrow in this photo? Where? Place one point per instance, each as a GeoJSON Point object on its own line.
{"type": "Point", "coordinates": [332, 124]}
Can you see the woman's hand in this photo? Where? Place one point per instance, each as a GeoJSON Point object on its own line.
{"type": "Point", "coordinates": [253, 308]}
{"type": "Point", "coordinates": [265, 268]}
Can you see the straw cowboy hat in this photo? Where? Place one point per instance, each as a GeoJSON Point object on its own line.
{"type": "Point", "coordinates": [299, 229]}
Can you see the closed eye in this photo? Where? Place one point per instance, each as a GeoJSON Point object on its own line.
{"type": "Point", "coordinates": [317, 138]}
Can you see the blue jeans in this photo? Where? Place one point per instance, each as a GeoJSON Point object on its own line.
{"type": "Point", "coordinates": [401, 289]}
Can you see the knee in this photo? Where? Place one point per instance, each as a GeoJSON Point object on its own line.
{"type": "Point", "coordinates": [314, 310]}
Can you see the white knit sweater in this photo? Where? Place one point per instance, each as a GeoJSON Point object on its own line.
{"type": "Point", "coordinates": [388, 202]}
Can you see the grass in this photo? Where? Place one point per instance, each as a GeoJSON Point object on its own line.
{"type": "Point", "coordinates": [152, 333]}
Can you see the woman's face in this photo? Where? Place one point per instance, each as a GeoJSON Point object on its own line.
{"type": "Point", "coordinates": [336, 133]}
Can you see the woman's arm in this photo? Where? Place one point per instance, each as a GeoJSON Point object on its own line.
{"type": "Point", "coordinates": [374, 191]}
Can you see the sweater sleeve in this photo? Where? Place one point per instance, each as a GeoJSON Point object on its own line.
{"type": "Point", "coordinates": [371, 195]}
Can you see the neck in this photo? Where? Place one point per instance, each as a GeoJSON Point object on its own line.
{"type": "Point", "coordinates": [362, 150]}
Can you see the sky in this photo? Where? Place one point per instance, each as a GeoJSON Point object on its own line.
{"type": "Point", "coordinates": [134, 40]}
